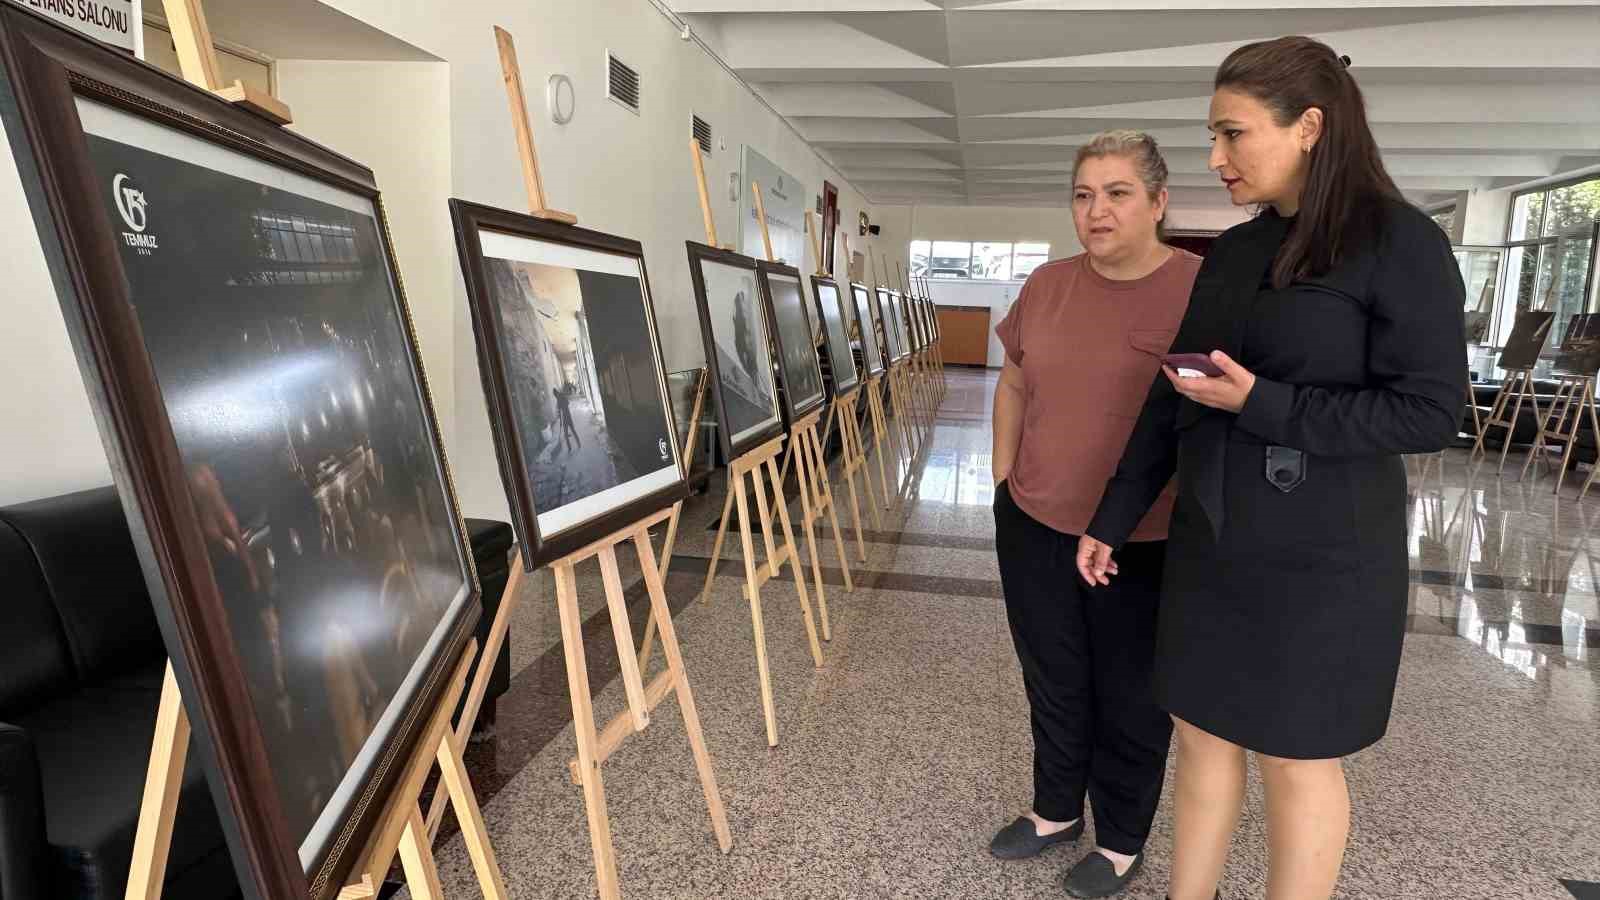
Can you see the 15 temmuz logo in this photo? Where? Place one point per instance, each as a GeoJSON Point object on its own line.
{"type": "Point", "coordinates": [132, 206]}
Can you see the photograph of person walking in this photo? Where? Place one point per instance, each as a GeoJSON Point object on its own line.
{"type": "Point", "coordinates": [1082, 344]}
{"type": "Point", "coordinates": [1335, 317]}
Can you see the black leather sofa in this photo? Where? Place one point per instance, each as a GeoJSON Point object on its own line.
{"type": "Point", "coordinates": [81, 664]}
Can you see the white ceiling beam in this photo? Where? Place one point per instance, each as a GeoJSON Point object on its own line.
{"type": "Point", "coordinates": [844, 99]}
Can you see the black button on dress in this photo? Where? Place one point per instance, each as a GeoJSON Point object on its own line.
{"type": "Point", "coordinates": [1283, 610]}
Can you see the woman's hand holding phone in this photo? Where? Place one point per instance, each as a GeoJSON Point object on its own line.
{"type": "Point", "coordinates": [1095, 562]}
{"type": "Point", "coordinates": [1226, 390]}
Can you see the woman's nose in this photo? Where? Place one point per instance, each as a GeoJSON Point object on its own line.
{"type": "Point", "coordinates": [1218, 158]}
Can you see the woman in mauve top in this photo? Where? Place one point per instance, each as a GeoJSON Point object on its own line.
{"type": "Point", "coordinates": [1083, 344]}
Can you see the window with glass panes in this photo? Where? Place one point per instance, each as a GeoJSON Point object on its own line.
{"type": "Point", "coordinates": [996, 260]}
{"type": "Point", "coordinates": [1550, 250]}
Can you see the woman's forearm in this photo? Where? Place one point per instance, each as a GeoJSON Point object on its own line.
{"type": "Point", "coordinates": [1008, 402]}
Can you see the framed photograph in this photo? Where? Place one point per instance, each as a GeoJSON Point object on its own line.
{"type": "Point", "coordinates": [797, 348]}
{"type": "Point", "coordinates": [1530, 333]}
{"type": "Point", "coordinates": [835, 334]}
{"type": "Point", "coordinates": [1579, 353]}
{"type": "Point", "coordinates": [894, 330]}
{"type": "Point", "coordinates": [571, 367]}
{"type": "Point", "coordinates": [232, 298]}
{"type": "Point", "coordinates": [866, 330]}
{"type": "Point", "coordinates": [914, 323]}
{"type": "Point", "coordinates": [738, 351]}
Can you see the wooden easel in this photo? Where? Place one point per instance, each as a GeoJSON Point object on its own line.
{"type": "Point", "coordinates": [400, 829]}
{"type": "Point", "coordinates": [595, 746]}
{"type": "Point", "coordinates": [750, 466]}
{"type": "Point", "coordinates": [197, 60]}
{"type": "Point", "coordinates": [1517, 386]}
{"type": "Point", "coordinates": [899, 392]}
{"type": "Point", "coordinates": [1575, 395]}
{"type": "Point", "coordinates": [871, 386]}
{"type": "Point", "coordinates": [852, 463]}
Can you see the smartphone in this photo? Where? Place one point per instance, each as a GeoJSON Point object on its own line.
{"type": "Point", "coordinates": [1191, 365]}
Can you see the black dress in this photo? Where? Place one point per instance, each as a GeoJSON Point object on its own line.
{"type": "Point", "coordinates": [1284, 599]}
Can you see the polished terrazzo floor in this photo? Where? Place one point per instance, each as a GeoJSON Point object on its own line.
{"type": "Point", "coordinates": [910, 746]}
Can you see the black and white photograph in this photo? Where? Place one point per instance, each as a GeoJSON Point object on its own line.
{"type": "Point", "coordinates": [894, 335]}
{"type": "Point", "coordinates": [797, 349]}
{"type": "Point", "coordinates": [588, 397]}
{"type": "Point", "coordinates": [284, 362]}
{"type": "Point", "coordinates": [871, 354]}
{"type": "Point", "coordinates": [1530, 334]}
{"type": "Point", "coordinates": [835, 334]}
{"type": "Point", "coordinates": [1579, 352]}
{"type": "Point", "coordinates": [734, 325]}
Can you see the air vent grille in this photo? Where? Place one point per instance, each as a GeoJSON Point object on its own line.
{"type": "Point", "coordinates": [702, 133]}
{"type": "Point", "coordinates": [622, 82]}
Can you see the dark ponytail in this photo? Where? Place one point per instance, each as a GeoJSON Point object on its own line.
{"type": "Point", "coordinates": [1346, 183]}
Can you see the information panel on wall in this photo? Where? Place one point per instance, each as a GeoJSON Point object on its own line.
{"type": "Point", "coordinates": [785, 200]}
{"type": "Point", "coordinates": [116, 22]}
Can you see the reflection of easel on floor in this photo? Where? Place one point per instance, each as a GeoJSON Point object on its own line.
{"type": "Point", "coordinates": [750, 466]}
{"type": "Point", "coordinates": [399, 830]}
{"type": "Point", "coordinates": [594, 747]}
{"type": "Point", "coordinates": [1574, 397]}
{"type": "Point", "coordinates": [1517, 386]}
{"type": "Point", "coordinates": [852, 461]}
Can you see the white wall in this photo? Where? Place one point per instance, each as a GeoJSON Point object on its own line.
{"type": "Point", "coordinates": [996, 295]}
{"type": "Point", "coordinates": [431, 131]}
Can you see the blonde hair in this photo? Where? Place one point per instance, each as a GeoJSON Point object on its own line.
{"type": "Point", "coordinates": [1139, 148]}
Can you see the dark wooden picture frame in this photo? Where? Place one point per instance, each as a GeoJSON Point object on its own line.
{"type": "Point", "coordinates": [893, 328]}
{"type": "Point", "coordinates": [862, 302]}
{"type": "Point", "coordinates": [933, 317]}
{"type": "Point", "coordinates": [836, 346]}
{"type": "Point", "coordinates": [510, 434]}
{"type": "Point", "coordinates": [47, 70]}
{"type": "Point", "coordinates": [919, 336]}
{"type": "Point", "coordinates": [797, 353]}
{"type": "Point", "coordinates": [734, 445]}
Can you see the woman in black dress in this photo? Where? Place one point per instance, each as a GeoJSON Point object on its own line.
{"type": "Point", "coordinates": [1335, 319]}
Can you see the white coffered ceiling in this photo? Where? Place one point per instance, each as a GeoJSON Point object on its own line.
{"type": "Point", "coordinates": [983, 101]}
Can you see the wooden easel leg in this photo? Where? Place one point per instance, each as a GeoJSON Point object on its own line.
{"type": "Point", "coordinates": [473, 831]}
{"type": "Point", "coordinates": [480, 679]}
{"type": "Point", "coordinates": [825, 490]}
{"type": "Point", "coordinates": [852, 452]}
{"type": "Point", "coordinates": [760, 489]}
{"type": "Point", "coordinates": [861, 467]}
{"type": "Point", "coordinates": [169, 751]}
{"type": "Point", "coordinates": [1496, 413]}
{"type": "Point", "coordinates": [1594, 428]}
{"type": "Point", "coordinates": [416, 858]}
{"type": "Point", "coordinates": [880, 437]}
{"type": "Point", "coordinates": [722, 533]}
{"type": "Point", "coordinates": [1511, 429]}
{"type": "Point", "coordinates": [1561, 401]}
{"type": "Point", "coordinates": [808, 512]}
{"type": "Point", "coordinates": [622, 630]}
{"type": "Point", "coordinates": [799, 578]}
{"type": "Point", "coordinates": [1585, 400]}
{"type": "Point", "coordinates": [752, 590]}
{"type": "Point", "coordinates": [594, 794]}
{"type": "Point", "coordinates": [680, 676]}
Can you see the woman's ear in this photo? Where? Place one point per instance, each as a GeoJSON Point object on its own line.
{"type": "Point", "coordinates": [1310, 128]}
{"type": "Point", "coordinates": [1159, 205]}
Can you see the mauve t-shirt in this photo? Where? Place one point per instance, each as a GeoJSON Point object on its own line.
{"type": "Point", "coordinates": [1089, 349]}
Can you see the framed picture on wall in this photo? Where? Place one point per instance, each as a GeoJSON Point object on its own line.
{"type": "Point", "coordinates": [866, 329]}
{"type": "Point", "coordinates": [232, 297]}
{"type": "Point", "coordinates": [797, 349]}
{"type": "Point", "coordinates": [738, 350]}
{"type": "Point", "coordinates": [571, 368]}
{"type": "Point", "coordinates": [893, 332]}
{"type": "Point", "coordinates": [835, 334]}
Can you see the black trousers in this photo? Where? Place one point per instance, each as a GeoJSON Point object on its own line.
{"type": "Point", "coordinates": [1086, 655]}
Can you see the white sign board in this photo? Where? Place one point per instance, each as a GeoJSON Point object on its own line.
{"type": "Point", "coordinates": [785, 200]}
{"type": "Point", "coordinates": [116, 22]}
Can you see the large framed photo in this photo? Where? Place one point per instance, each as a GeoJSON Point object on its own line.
{"type": "Point", "coordinates": [894, 333]}
{"type": "Point", "coordinates": [797, 348]}
{"type": "Point", "coordinates": [1579, 352]}
{"type": "Point", "coordinates": [866, 329]}
{"type": "Point", "coordinates": [933, 317]}
{"type": "Point", "coordinates": [571, 366]}
{"type": "Point", "coordinates": [836, 334]}
{"type": "Point", "coordinates": [232, 298]}
{"type": "Point", "coordinates": [1530, 333]}
{"type": "Point", "coordinates": [738, 350]}
{"type": "Point", "coordinates": [919, 335]}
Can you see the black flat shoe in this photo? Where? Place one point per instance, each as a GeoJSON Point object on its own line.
{"type": "Point", "coordinates": [1096, 876]}
{"type": "Point", "coordinates": [1020, 840]}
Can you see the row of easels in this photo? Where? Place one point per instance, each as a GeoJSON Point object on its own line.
{"type": "Point", "coordinates": [1557, 424]}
